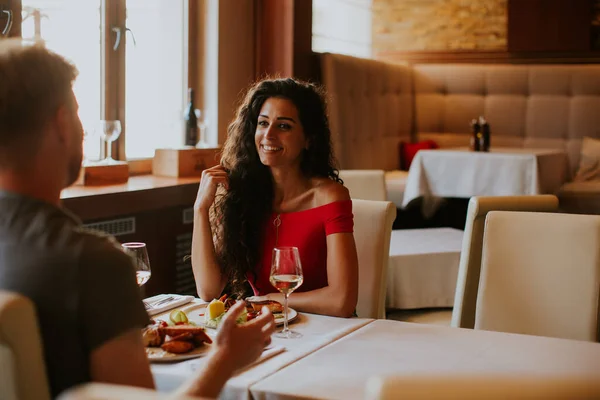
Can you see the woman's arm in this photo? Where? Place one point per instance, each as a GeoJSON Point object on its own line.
{"type": "Point", "coordinates": [207, 274]}
{"type": "Point", "coordinates": [339, 297]}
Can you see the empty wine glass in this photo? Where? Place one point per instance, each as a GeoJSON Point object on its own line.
{"type": "Point", "coordinates": [286, 276]}
{"type": "Point", "coordinates": [111, 130]}
{"type": "Point", "coordinates": [141, 263]}
{"type": "Point", "coordinates": [202, 126]}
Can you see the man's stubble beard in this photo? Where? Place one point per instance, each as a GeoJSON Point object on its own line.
{"type": "Point", "coordinates": [74, 168]}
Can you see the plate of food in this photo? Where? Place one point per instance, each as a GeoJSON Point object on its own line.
{"type": "Point", "coordinates": [180, 340]}
{"type": "Point", "coordinates": [212, 313]}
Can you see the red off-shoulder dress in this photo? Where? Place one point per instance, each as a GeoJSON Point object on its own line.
{"type": "Point", "coordinates": [307, 230]}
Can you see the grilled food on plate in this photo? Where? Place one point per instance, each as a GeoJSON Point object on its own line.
{"type": "Point", "coordinates": [274, 306]}
{"type": "Point", "coordinates": [179, 338]}
{"type": "Point", "coordinates": [216, 310]}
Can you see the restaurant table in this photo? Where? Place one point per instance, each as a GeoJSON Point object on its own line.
{"type": "Point", "coordinates": [423, 268]}
{"type": "Point", "coordinates": [317, 331]}
{"type": "Point", "coordinates": [501, 172]}
{"type": "Point", "coordinates": [341, 369]}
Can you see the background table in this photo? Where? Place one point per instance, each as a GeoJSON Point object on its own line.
{"type": "Point", "coordinates": [501, 172]}
{"type": "Point", "coordinates": [317, 331]}
{"type": "Point", "coordinates": [341, 369]}
{"type": "Point", "coordinates": [423, 268]}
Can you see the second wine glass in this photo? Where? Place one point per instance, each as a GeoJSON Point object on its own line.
{"type": "Point", "coordinates": [286, 276]}
{"type": "Point", "coordinates": [141, 263]}
{"type": "Point", "coordinates": [111, 130]}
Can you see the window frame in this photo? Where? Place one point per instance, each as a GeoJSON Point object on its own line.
{"type": "Point", "coordinates": [114, 14]}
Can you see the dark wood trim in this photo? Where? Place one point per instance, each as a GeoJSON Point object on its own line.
{"type": "Point", "coordinates": [195, 51]}
{"type": "Point", "coordinates": [274, 38]}
{"type": "Point", "coordinates": [141, 194]}
{"type": "Point", "coordinates": [491, 57]}
{"type": "Point", "coordinates": [305, 64]}
{"type": "Point", "coordinates": [549, 25]}
{"type": "Point", "coordinates": [15, 6]}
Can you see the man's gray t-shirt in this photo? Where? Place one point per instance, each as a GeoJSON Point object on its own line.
{"type": "Point", "coordinates": [83, 286]}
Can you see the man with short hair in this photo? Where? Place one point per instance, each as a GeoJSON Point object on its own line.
{"type": "Point", "coordinates": [84, 287]}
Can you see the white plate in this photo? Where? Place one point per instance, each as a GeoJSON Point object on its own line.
{"type": "Point", "coordinates": [156, 354]}
{"type": "Point", "coordinates": [194, 312]}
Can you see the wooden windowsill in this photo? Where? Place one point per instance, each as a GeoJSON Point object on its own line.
{"type": "Point", "coordinates": [144, 193]}
{"type": "Point", "coordinates": [135, 183]}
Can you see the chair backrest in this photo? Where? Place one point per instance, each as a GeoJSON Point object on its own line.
{"type": "Point", "coordinates": [372, 232]}
{"type": "Point", "coordinates": [104, 391]}
{"type": "Point", "coordinates": [365, 184]}
{"type": "Point", "coordinates": [470, 387]}
{"type": "Point", "coordinates": [467, 283]}
{"type": "Point", "coordinates": [540, 275]}
{"type": "Point", "coordinates": [22, 368]}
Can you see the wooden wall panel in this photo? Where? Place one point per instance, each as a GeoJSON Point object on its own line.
{"type": "Point", "coordinates": [549, 25]}
{"type": "Point", "coordinates": [275, 38]}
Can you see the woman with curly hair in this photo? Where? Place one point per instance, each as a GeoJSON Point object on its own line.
{"type": "Point", "coordinates": [277, 185]}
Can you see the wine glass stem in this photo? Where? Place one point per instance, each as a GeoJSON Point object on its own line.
{"type": "Point", "coordinates": [109, 150]}
{"type": "Point", "coordinates": [285, 312]}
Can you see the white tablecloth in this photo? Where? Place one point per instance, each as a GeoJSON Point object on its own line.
{"type": "Point", "coordinates": [423, 268]}
{"type": "Point", "coordinates": [317, 331]}
{"type": "Point", "coordinates": [501, 172]}
{"type": "Point", "coordinates": [341, 369]}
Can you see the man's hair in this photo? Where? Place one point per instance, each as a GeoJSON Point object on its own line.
{"type": "Point", "coordinates": [34, 83]}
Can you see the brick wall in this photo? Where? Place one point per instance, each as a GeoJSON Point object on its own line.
{"type": "Point", "coordinates": [413, 25]}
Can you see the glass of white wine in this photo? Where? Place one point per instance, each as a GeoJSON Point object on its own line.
{"type": "Point", "coordinates": [141, 263]}
{"type": "Point", "coordinates": [286, 276]}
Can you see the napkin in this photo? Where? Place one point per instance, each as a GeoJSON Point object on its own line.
{"type": "Point", "coordinates": [176, 301]}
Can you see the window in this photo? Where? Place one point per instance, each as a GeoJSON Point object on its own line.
{"type": "Point", "coordinates": [342, 26]}
{"type": "Point", "coordinates": [132, 62]}
{"type": "Point", "coordinates": [55, 21]}
{"type": "Point", "coordinates": [155, 63]}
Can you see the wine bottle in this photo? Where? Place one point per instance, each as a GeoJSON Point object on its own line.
{"type": "Point", "coordinates": [191, 121]}
{"type": "Point", "coordinates": [476, 133]}
{"type": "Point", "coordinates": [485, 133]}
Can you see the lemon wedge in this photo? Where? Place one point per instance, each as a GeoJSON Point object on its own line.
{"type": "Point", "coordinates": [178, 316]}
{"type": "Point", "coordinates": [214, 309]}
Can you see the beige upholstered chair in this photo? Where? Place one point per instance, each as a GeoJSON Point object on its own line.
{"type": "Point", "coordinates": [463, 313]}
{"type": "Point", "coordinates": [372, 231]}
{"type": "Point", "coordinates": [103, 391]}
{"type": "Point", "coordinates": [469, 387]}
{"type": "Point", "coordinates": [540, 275]}
{"type": "Point", "coordinates": [365, 184]}
{"type": "Point", "coordinates": [22, 368]}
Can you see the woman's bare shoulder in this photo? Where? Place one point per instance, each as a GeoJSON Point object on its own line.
{"type": "Point", "coordinates": [328, 191]}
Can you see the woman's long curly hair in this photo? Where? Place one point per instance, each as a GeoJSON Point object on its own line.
{"type": "Point", "coordinates": [240, 213]}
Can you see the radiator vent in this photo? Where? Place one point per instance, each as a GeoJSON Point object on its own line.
{"type": "Point", "coordinates": [184, 277]}
{"type": "Point", "coordinates": [114, 227]}
{"type": "Point", "coordinates": [188, 216]}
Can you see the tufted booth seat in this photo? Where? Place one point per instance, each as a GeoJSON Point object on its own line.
{"type": "Point", "coordinates": [374, 105]}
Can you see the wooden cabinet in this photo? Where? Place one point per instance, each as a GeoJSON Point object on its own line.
{"type": "Point", "coordinates": [10, 18]}
{"type": "Point", "coordinates": [154, 210]}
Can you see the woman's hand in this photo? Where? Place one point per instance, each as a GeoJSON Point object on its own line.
{"type": "Point", "coordinates": [240, 345]}
{"type": "Point", "coordinates": [211, 179]}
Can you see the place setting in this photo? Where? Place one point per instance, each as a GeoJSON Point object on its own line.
{"type": "Point", "coordinates": [182, 331]}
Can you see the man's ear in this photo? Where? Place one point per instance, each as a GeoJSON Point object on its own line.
{"type": "Point", "coordinates": [62, 123]}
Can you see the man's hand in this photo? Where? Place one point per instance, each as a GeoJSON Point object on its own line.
{"type": "Point", "coordinates": [241, 345]}
{"type": "Point", "coordinates": [235, 347]}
